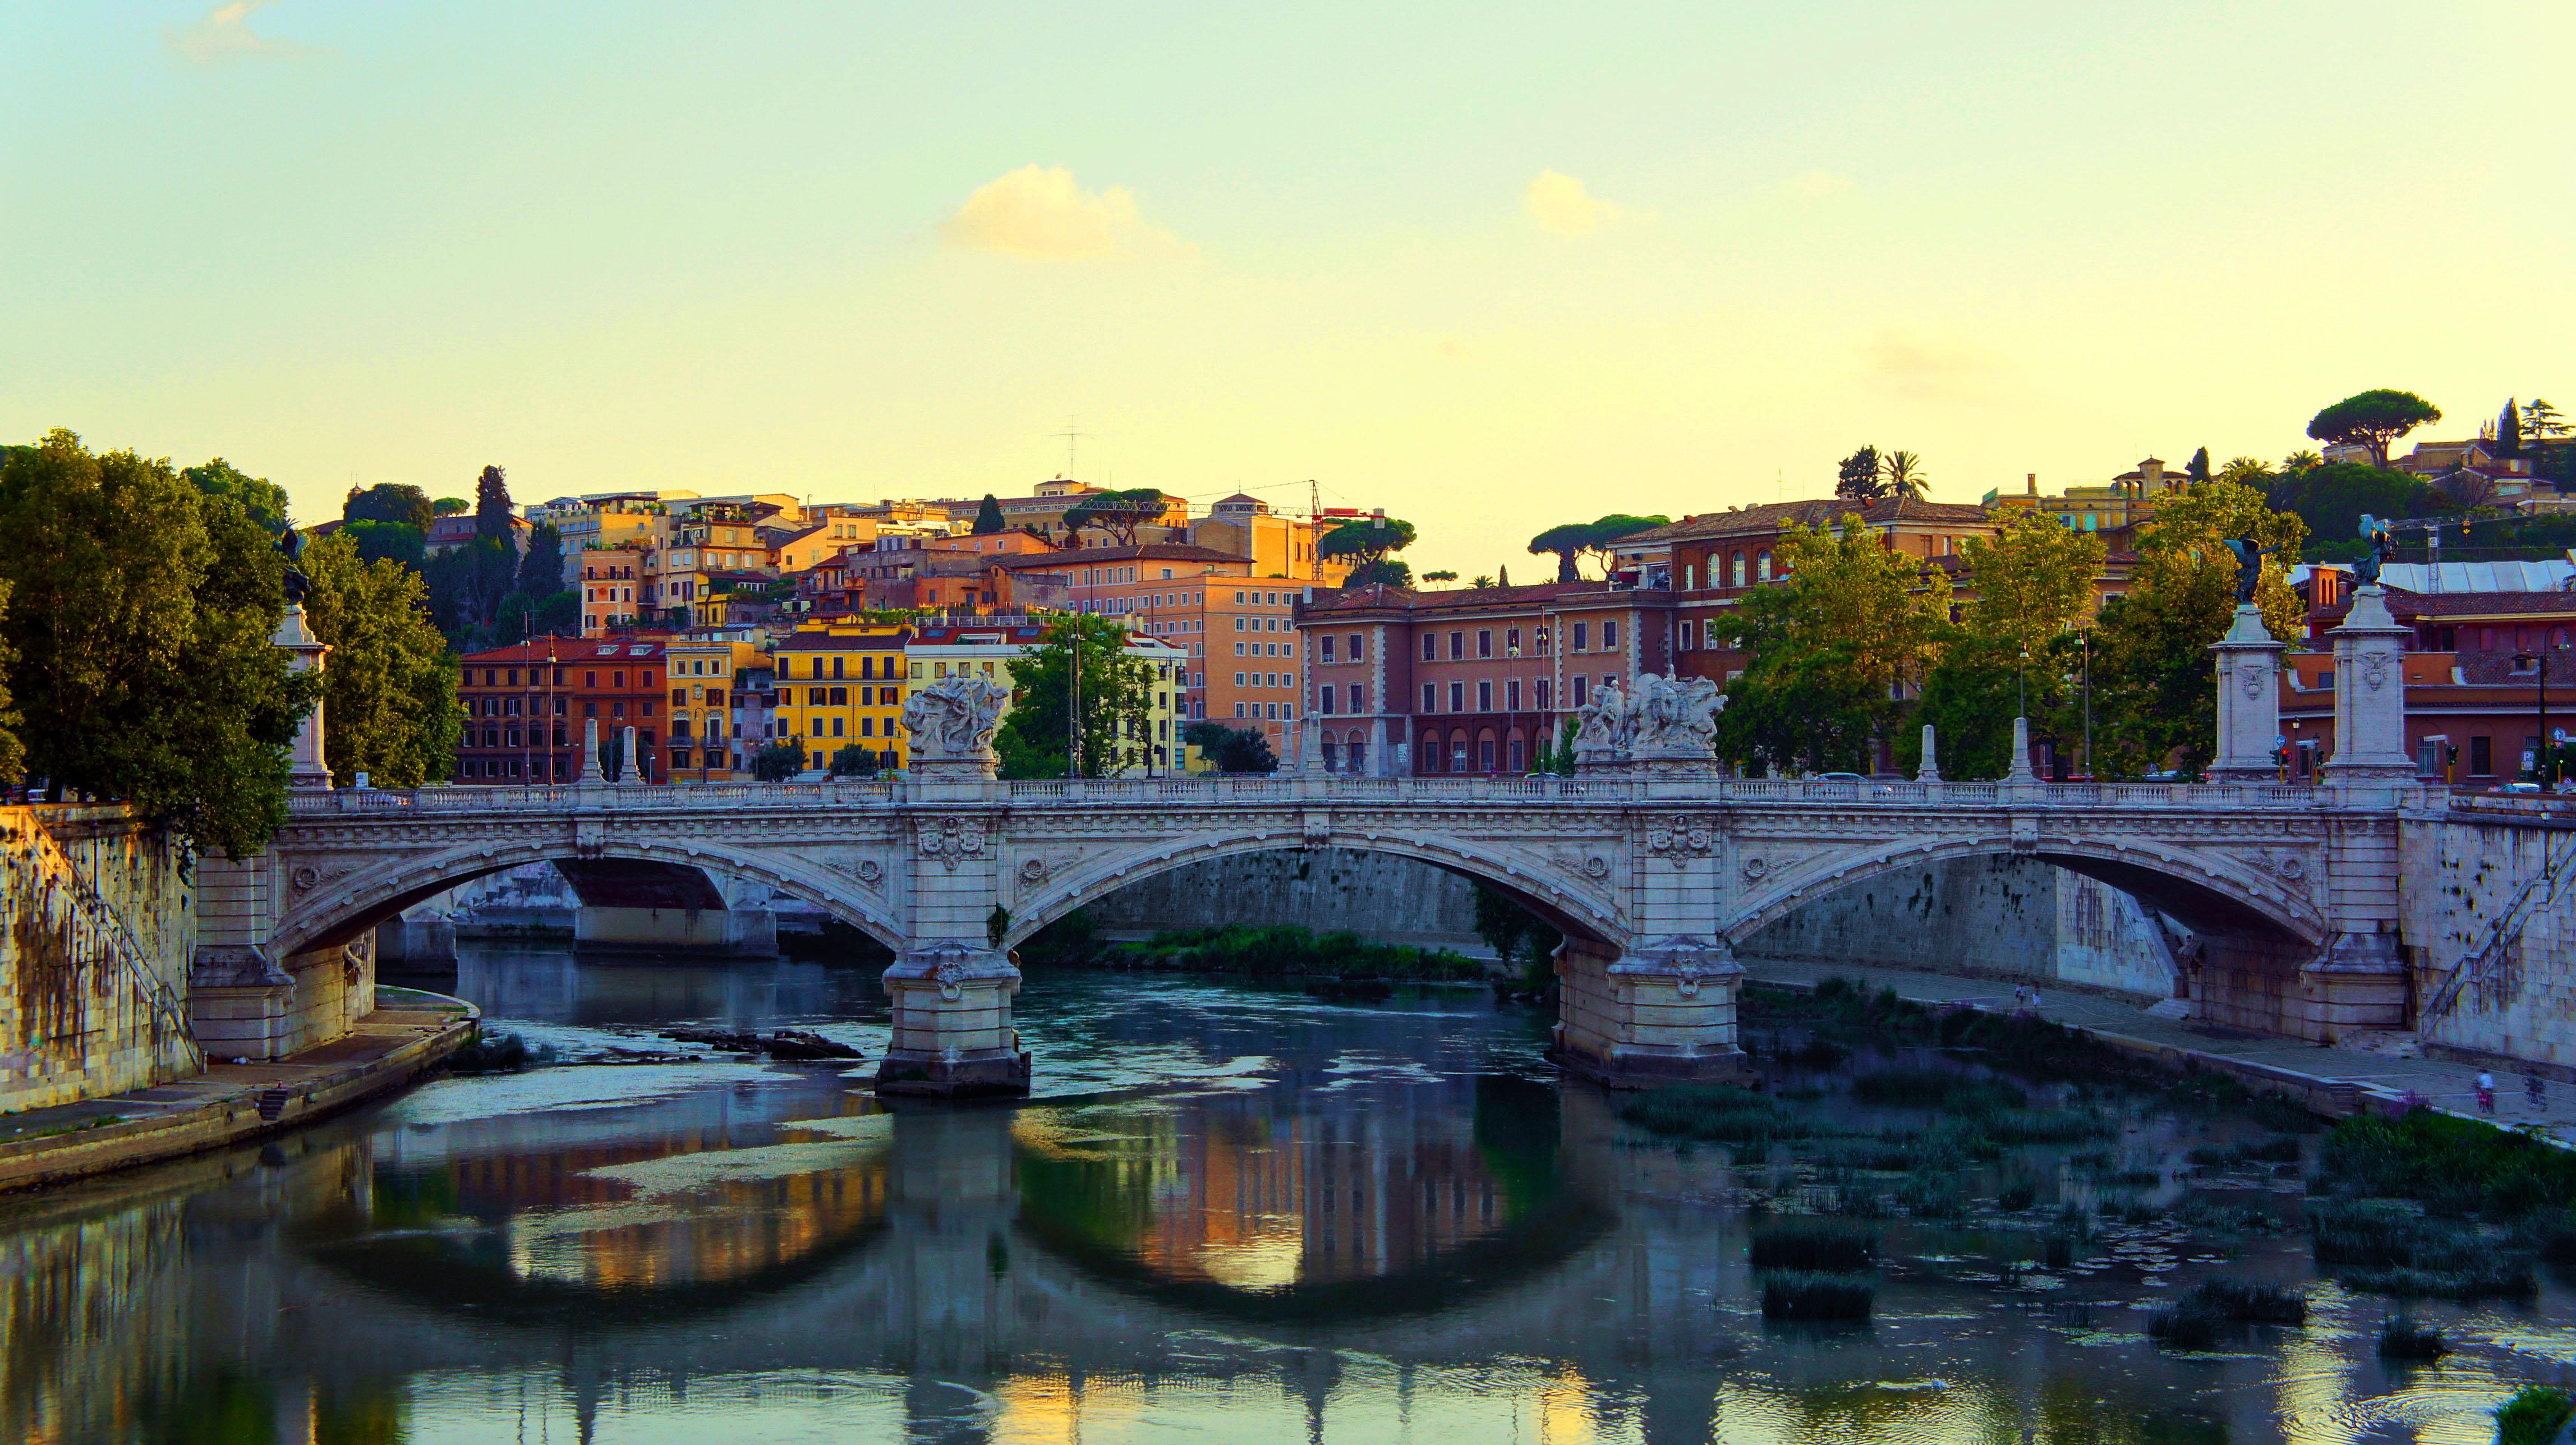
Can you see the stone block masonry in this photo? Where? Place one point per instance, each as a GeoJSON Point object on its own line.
{"type": "Point", "coordinates": [96, 921]}
{"type": "Point", "coordinates": [2490, 930]}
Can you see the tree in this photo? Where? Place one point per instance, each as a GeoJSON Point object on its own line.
{"type": "Point", "coordinates": [13, 754]}
{"type": "Point", "coordinates": [1364, 542]}
{"type": "Point", "coordinates": [492, 508]}
{"type": "Point", "coordinates": [389, 705]}
{"type": "Point", "coordinates": [1117, 513]}
{"type": "Point", "coordinates": [1232, 750]}
{"type": "Point", "coordinates": [142, 619]}
{"type": "Point", "coordinates": [988, 517]}
{"type": "Point", "coordinates": [2033, 582]}
{"type": "Point", "coordinates": [1559, 759]}
{"type": "Point", "coordinates": [778, 761]}
{"type": "Point", "coordinates": [388, 541]}
{"type": "Point", "coordinates": [1521, 939]}
{"type": "Point", "coordinates": [2508, 431]}
{"type": "Point", "coordinates": [450, 506]}
{"type": "Point", "coordinates": [1116, 694]}
{"type": "Point", "coordinates": [1834, 649]}
{"type": "Point", "coordinates": [1904, 474]}
{"type": "Point", "coordinates": [2332, 498]}
{"type": "Point", "coordinates": [2541, 421]}
{"type": "Point", "coordinates": [1597, 539]}
{"type": "Point", "coordinates": [1858, 477]}
{"type": "Point", "coordinates": [2373, 419]}
{"type": "Point", "coordinates": [2465, 490]}
{"type": "Point", "coordinates": [395, 502]}
{"type": "Point", "coordinates": [853, 761]}
{"type": "Point", "coordinates": [2247, 472]}
{"type": "Point", "coordinates": [2155, 690]}
{"type": "Point", "coordinates": [2301, 461]}
{"type": "Point", "coordinates": [541, 567]}
{"type": "Point", "coordinates": [1480, 580]}
{"type": "Point", "coordinates": [1384, 572]}
{"type": "Point", "coordinates": [1441, 576]}
{"type": "Point", "coordinates": [263, 499]}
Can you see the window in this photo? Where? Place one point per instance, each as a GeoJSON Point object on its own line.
{"type": "Point", "coordinates": [1485, 642]}
{"type": "Point", "coordinates": [1430, 647]}
{"type": "Point", "coordinates": [1326, 650]}
{"type": "Point", "coordinates": [1690, 633]}
{"type": "Point", "coordinates": [1609, 636]}
{"type": "Point", "coordinates": [1430, 697]}
{"type": "Point", "coordinates": [1762, 568]}
{"type": "Point", "coordinates": [1359, 698]}
{"type": "Point", "coordinates": [1484, 697]}
{"type": "Point", "coordinates": [1238, 647]}
{"type": "Point", "coordinates": [2481, 757]}
{"type": "Point", "coordinates": [1512, 699]}
{"type": "Point", "coordinates": [1239, 624]}
{"type": "Point", "coordinates": [1457, 697]}
{"type": "Point", "coordinates": [1485, 752]}
{"type": "Point", "coordinates": [1238, 679]}
{"type": "Point", "coordinates": [1546, 694]}
{"type": "Point", "coordinates": [1357, 652]}
{"type": "Point", "coordinates": [1580, 630]}
{"type": "Point", "coordinates": [1578, 690]}
{"type": "Point", "coordinates": [1238, 707]}
{"type": "Point", "coordinates": [1513, 752]}
{"type": "Point", "coordinates": [1457, 645]}
{"type": "Point", "coordinates": [1326, 698]}
{"type": "Point", "coordinates": [1512, 641]}
{"type": "Point", "coordinates": [836, 727]}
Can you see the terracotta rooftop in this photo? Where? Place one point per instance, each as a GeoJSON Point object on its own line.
{"type": "Point", "coordinates": [1817, 512]}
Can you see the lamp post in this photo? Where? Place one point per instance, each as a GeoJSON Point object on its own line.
{"type": "Point", "coordinates": [2087, 635]}
{"type": "Point", "coordinates": [2539, 660]}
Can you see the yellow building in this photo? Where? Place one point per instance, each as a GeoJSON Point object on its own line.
{"type": "Point", "coordinates": [839, 685]}
{"type": "Point", "coordinates": [712, 733]}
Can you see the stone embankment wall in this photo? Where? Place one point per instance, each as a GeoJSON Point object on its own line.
{"type": "Point", "coordinates": [2015, 918]}
{"type": "Point", "coordinates": [245, 1002]}
{"type": "Point", "coordinates": [2495, 891]}
{"type": "Point", "coordinates": [96, 920]}
{"type": "Point", "coordinates": [1329, 890]}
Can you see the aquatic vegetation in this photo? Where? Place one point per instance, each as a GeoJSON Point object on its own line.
{"type": "Point", "coordinates": [2057, 1248]}
{"type": "Point", "coordinates": [2046, 1126]}
{"type": "Point", "coordinates": [1814, 1246]}
{"type": "Point", "coordinates": [1937, 1089]}
{"type": "Point", "coordinates": [1714, 1113]}
{"type": "Point", "coordinates": [2401, 1338]}
{"type": "Point", "coordinates": [2532, 1416]}
{"type": "Point", "coordinates": [1933, 1194]}
{"type": "Point", "coordinates": [499, 1052]}
{"type": "Point", "coordinates": [2277, 1150]}
{"type": "Point", "coordinates": [1288, 950]}
{"type": "Point", "coordinates": [1791, 1295]}
{"type": "Point", "coordinates": [2019, 1193]}
{"type": "Point", "coordinates": [2387, 1247]}
{"type": "Point", "coordinates": [2221, 1215]}
{"type": "Point", "coordinates": [2452, 1165]}
{"type": "Point", "coordinates": [2200, 1318]}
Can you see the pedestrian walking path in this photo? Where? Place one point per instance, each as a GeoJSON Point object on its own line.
{"type": "Point", "coordinates": [2384, 1075]}
{"type": "Point", "coordinates": [408, 1034]}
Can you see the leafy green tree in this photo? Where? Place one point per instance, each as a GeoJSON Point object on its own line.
{"type": "Point", "coordinates": [2032, 584]}
{"type": "Point", "coordinates": [557, 616]}
{"type": "Point", "coordinates": [1117, 513]}
{"type": "Point", "coordinates": [449, 507]}
{"type": "Point", "coordinates": [2373, 419]}
{"type": "Point", "coordinates": [142, 618]}
{"type": "Point", "coordinates": [2155, 690]}
{"type": "Point", "coordinates": [541, 567]}
{"type": "Point", "coordinates": [263, 499]}
{"type": "Point", "coordinates": [778, 761]}
{"type": "Point", "coordinates": [1440, 576]}
{"type": "Point", "coordinates": [1231, 749]}
{"type": "Point", "coordinates": [388, 542]}
{"type": "Point", "coordinates": [1384, 572]}
{"type": "Point", "coordinates": [1904, 474]}
{"type": "Point", "coordinates": [389, 705]}
{"type": "Point", "coordinates": [1597, 539]}
{"type": "Point", "coordinates": [2247, 472]}
{"type": "Point", "coordinates": [1835, 650]}
{"type": "Point", "coordinates": [2197, 468]}
{"type": "Point", "coordinates": [1524, 941]}
{"type": "Point", "coordinates": [492, 508]}
{"type": "Point", "coordinates": [988, 517]}
{"type": "Point", "coordinates": [395, 502]}
{"type": "Point", "coordinates": [1116, 699]}
{"type": "Point", "coordinates": [1560, 758]}
{"type": "Point", "coordinates": [1365, 540]}
{"type": "Point", "coordinates": [1480, 581]}
{"type": "Point", "coordinates": [2541, 421]}
{"type": "Point", "coordinates": [13, 754]}
{"type": "Point", "coordinates": [1858, 477]}
{"type": "Point", "coordinates": [2299, 461]}
{"type": "Point", "coordinates": [853, 761]}
{"type": "Point", "coordinates": [2331, 498]}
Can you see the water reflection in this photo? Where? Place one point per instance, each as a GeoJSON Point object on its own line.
{"type": "Point", "coordinates": [1257, 1217]}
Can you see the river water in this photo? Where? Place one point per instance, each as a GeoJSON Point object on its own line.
{"type": "Point", "coordinates": [1228, 1214]}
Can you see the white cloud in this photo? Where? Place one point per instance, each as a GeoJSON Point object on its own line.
{"type": "Point", "coordinates": [1040, 213]}
{"type": "Point", "coordinates": [224, 33]}
{"type": "Point", "coordinates": [1559, 204]}
{"type": "Point", "coordinates": [1818, 184]}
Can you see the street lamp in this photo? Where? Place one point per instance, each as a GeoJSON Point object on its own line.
{"type": "Point", "coordinates": [2539, 660]}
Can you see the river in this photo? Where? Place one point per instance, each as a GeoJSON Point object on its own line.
{"type": "Point", "coordinates": [1227, 1214]}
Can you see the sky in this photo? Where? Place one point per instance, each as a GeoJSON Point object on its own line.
{"type": "Point", "coordinates": [1491, 268]}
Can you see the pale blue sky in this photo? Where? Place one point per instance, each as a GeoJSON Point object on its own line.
{"type": "Point", "coordinates": [724, 246]}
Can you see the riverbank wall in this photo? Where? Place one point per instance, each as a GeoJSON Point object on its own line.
{"type": "Point", "coordinates": [2008, 918]}
{"type": "Point", "coordinates": [1326, 890]}
{"type": "Point", "coordinates": [97, 918]}
{"type": "Point", "coordinates": [2490, 932]}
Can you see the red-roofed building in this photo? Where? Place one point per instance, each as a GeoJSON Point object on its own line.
{"type": "Point", "coordinates": [525, 706]}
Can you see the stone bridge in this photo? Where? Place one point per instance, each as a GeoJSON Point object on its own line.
{"type": "Point", "coordinates": [1653, 872]}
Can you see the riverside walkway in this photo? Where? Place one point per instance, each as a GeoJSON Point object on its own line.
{"type": "Point", "coordinates": [2376, 1073]}
{"type": "Point", "coordinates": [411, 1033]}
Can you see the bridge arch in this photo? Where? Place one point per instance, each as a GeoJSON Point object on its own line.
{"type": "Point", "coordinates": [1561, 894]}
{"type": "Point", "coordinates": [2211, 895]}
{"type": "Point", "coordinates": [336, 910]}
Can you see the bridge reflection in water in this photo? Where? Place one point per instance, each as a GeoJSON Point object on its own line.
{"type": "Point", "coordinates": [1396, 1228]}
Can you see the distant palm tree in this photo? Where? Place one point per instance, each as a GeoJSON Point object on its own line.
{"type": "Point", "coordinates": [2302, 461]}
{"type": "Point", "coordinates": [1480, 580]}
{"type": "Point", "coordinates": [2245, 472]}
{"type": "Point", "coordinates": [1903, 473]}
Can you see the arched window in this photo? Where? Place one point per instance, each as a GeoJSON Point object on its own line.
{"type": "Point", "coordinates": [1430, 760]}
{"type": "Point", "coordinates": [1458, 751]}
{"type": "Point", "coordinates": [1739, 569]}
{"type": "Point", "coordinates": [1332, 754]}
{"type": "Point", "coordinates": [1762, 566]}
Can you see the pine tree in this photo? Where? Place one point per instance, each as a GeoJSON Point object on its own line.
{"type": "Point", "coordinates": [492, 509]}
{"type": "Point", "coordinates": [2198, 467]}
{"type": "Point", "coordinates": [2509, 430]}
{"type": "Point", "coordinates": [988, 517]}
{"type": "Point", "coordinates": [1858, 478]}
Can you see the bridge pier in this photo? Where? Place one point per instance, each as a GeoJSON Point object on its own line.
{"type": "Point", "coordinates": [1661, 1016]}
{"type": "Point", "coordinates": [952, 1024]}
